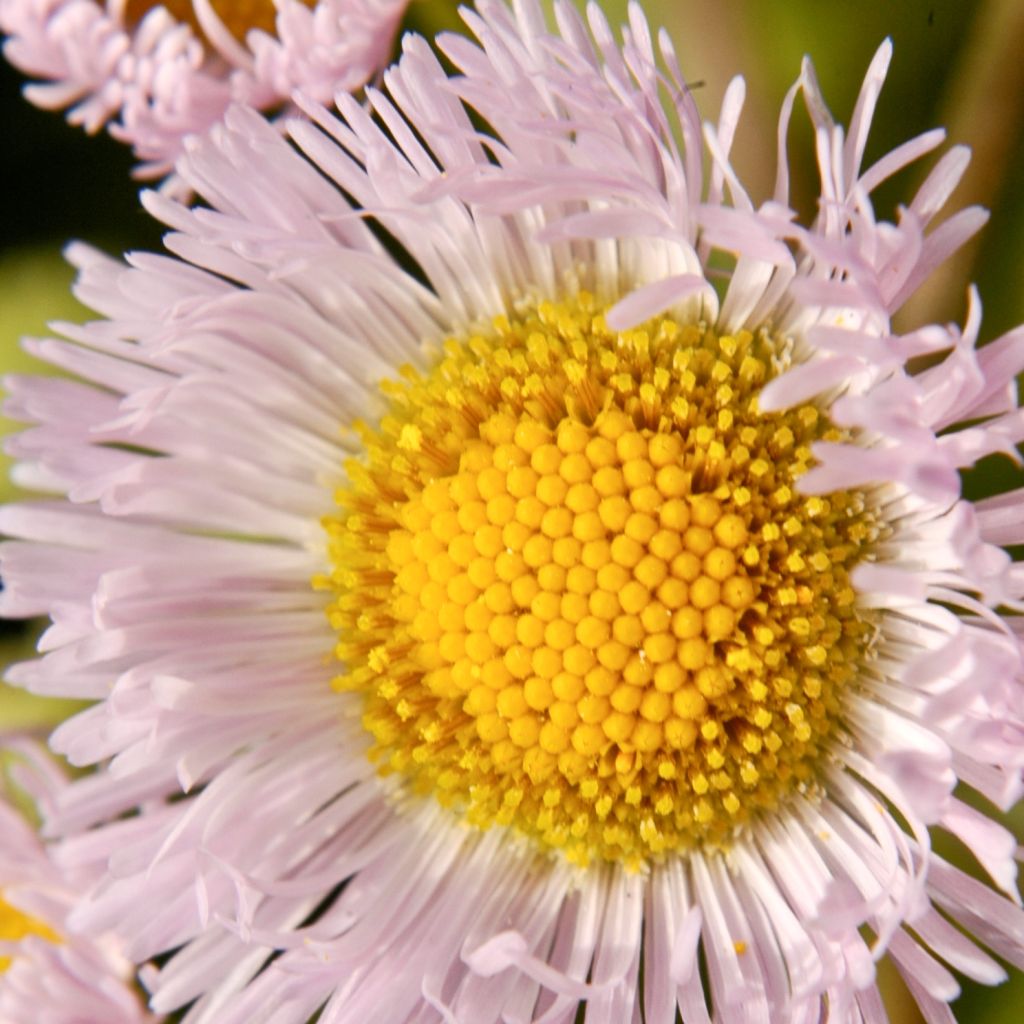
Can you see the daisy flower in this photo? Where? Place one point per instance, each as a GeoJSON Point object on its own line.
{"type": "Point", "coordinates": [48, 973]}
{"type": "Point", "coordinates": [514, 571]}
{"type": "Point", "coordinates": [155, 73]}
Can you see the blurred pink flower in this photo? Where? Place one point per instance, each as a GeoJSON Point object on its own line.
{"type": "Point", "coordinates": [156, 73]}
{"type": "Point", "coordinates": [49, 973]}
{"type": "Point", "coordinates": [195, 461]}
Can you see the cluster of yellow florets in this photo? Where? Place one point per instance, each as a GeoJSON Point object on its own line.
{"type": "Point", "coordinates": [239, 17]}
{"type": "Point", "coordinates": [580, 593]}
{"type": "Point", "coordinates": [15, 925]}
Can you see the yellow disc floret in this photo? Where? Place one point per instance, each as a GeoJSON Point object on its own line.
{"type": "Point", "coordinates": [239, 17]}
{"type": "Point", "coordinates": [15, 925]}
{"type": "Point", "coordinates": [580, 593]}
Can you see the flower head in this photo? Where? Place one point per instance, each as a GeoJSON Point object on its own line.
{"type": "Point", "coordinates": [159, 72]}
{"type": "Point", "coordinates": [519, 610]}
{"type": "Point", "coordinates": [47, 972]}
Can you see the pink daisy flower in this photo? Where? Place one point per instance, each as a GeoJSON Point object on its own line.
{"type": "Point", "coordinates": [514, 571]}
{"type": "Point", "coordinates": [155, 73]}
{"type": "Point", "coordinates": [47, 972]}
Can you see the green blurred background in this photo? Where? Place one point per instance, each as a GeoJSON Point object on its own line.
{"type": "Point", "coordinates": [958, 64]}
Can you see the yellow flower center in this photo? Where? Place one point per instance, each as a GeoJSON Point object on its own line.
{"type": "Point", "coordinates": [238, 16]}
{"type": "Point", "coordinates": [15, 924]}
{"type": "Point", "coordinates": [580, 593]}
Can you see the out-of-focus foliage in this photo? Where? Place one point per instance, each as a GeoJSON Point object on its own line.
{"type": "Point", "coordinates": [34, 288]}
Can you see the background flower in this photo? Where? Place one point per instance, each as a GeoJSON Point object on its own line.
{"type": "Point", "coordinates": [840, 105]}
{"type": "Point", "coordinates": [47, 972]}
{"type": "Point", "coordinates": [155, 73]}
